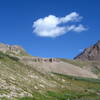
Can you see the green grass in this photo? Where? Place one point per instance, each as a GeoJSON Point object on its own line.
{"type": "Point", "coordinates": [26, 98]}
{"type": "Point", "coordinates": [79, 78]}
{"type": "Point", "coordinates": [5, 55]}
{"type": "Point", "coordinates": [72, 88]}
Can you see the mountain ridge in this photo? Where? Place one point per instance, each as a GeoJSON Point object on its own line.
{"type": "Point", "coordinates": [91, 53]}
{"type": "Point", "coordinates": [25, 77]}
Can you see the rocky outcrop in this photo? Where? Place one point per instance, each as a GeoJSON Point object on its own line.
{"type": "Point", "coordinates": [11, 49]}
{"type": "Point", "coordinates": [15, 50]}
{"type": "Point", "coordinates": [92, 53]}
{"type": "Point", "coordinates": [38, 59]}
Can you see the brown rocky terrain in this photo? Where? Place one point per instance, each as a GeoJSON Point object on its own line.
{"type": "Point", "coordinates": [18, 51]}
{"type": "Point", "coordinates": [44, 65]}
{"type": "Point", "coordinates": [92, 53]}
{"type": "Point", "coordinates": [26, 77]}
{"type": "Point", "coordinates": [12, 49]}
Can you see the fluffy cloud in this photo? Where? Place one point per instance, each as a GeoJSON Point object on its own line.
{"type": "Point", "coordinates": [52, 26]}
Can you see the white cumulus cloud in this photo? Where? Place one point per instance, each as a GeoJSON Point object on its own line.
{"type": "Point", "coordinates": [52, 26]}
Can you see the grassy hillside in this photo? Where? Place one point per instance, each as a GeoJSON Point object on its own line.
{"type": "Point", "coordinates": [22, 82]}
{"type": "Point", "coordinates": [93, 66]}
{"type": "Point", "coordinates": [76, 62]}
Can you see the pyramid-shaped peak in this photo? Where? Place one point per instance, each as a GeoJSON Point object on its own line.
{"type": "Point", "coordinates": [91, 53]}
{"type": "Point", "coordinates": [98, 43]}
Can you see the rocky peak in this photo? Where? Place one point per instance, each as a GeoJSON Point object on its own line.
{"type": "Point", "coordinates": [91, 53]}
{"type": "Point", "coordinates": [97, 44]}
{"type": "Point", "coordinates": [11, 49]}
{"type": "Point", "coordinates": [17, 50]}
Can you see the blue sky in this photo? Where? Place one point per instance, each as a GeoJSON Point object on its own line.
{"type": "Point", "coordinates": [17, 18]}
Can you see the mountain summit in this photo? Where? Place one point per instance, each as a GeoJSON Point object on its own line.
{"type": "Point", "coordinates": [12, 49]}
{"type": "Point", "coordinates": [91, 53]}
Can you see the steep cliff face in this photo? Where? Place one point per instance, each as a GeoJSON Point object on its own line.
{"type": "Point", "coordinates": [92, 53]}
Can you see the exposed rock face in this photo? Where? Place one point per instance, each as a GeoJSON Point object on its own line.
{"type": "Point", "coordinates": [92, 53]}
{"type": "Point", "coordinates": [17, 50]}
{"type": "Point", "coordinates": [13, 49]}
{"type": "Point", "coordinates": [38, 59]}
